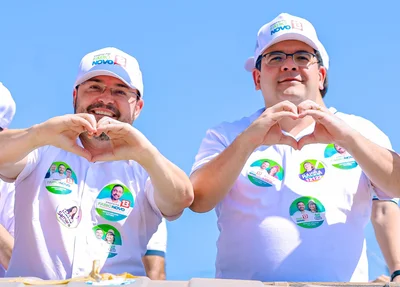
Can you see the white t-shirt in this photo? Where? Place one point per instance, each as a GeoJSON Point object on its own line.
{"type": "Point", "coordinates": [259, 236]}
{"type": "Point", "coordinates": [158, 242]}
{"type": "Point", "coordinates": [6, 210]}
{"type": "Point", "coordinates": [60, 227]}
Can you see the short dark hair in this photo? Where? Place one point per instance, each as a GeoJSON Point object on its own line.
{"type": "Point", "coordinates": [320, 63]}
{"type": "Point", "coordinates": [118, 185]}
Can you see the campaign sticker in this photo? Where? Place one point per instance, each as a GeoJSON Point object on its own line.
{"type": "Point", "coordinates": [60, 178]}
{"type": "Point", "coordinates": [307, 212]}
{"type": "Point", "coordinates": [109, 239]}
{"type": "Point", "coordinates": [311, 170]}
{"type": "Point", "coordinates": [69, 214]}
{"type": "Point", "coordinates": [265, 172]}
{"type": "Point", "coordinates": [114, 202]}
{"type": "Point", "coordinates": [339, 157]}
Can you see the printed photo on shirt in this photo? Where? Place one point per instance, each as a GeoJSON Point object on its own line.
{"type": "Point", "coordinates": [265, 172]}
{"type": "Point", "coordinates": [69, 214]}
{"type": "Point", "coordinates": [114, 202]}
{"type": "Point", "coordinates": [311, 170]}
{"type": "Point", "coordinates": [108, 239]}
{"type": "Point", "coordinates": [60, 178]}
{"type": "Point", "coordinates": [339, 157]}
{"type": "Point", "coordinates": [307, 212]}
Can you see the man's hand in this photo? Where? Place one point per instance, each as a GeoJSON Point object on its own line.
{"type": "Point", "coordinates": [328, 127]}
{"type": "Point", "coordinates": [63, 131]}
{"type": "Point", "coordinates": [266, 129]}
{"type": "Point", "coordinates": [127, 142]}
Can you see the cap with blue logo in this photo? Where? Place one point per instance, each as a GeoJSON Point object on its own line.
{"type": "Point", "coordinates": [111, 62]}
{"type": "Point", "coordinates": [286, 27]}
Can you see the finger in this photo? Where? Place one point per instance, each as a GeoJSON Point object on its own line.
{"type": "Point", "coordinates": [316, 114]}
{"type": "Point", "coordinates": [108, 156]}
{"type": "Point", "coordinates": [309, 105]}
{"type": "Point", "coordinates": [307, 139]}
{"type": "Point", "coordinates": [284, 106]}
{"type": "Point", "coordinates": [112, 130]}
{"type": "Point", "coordinates": [288, 140]}
{"type": "Point", "coordinates": [90, 118]}
{"type": "Point", "coordinates": [80, 124]}
{"type": "Point", "coordinates": [283, 114]}
{"type": "Point", "coordinates": [106, 120]}
{"type": "Point", "coordinates": [78, 150]}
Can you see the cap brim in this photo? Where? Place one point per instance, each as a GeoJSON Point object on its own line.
{"type": "Point", "coordinates": [249, 64]}
{"type": "Point", "coordinates": [102, 72]}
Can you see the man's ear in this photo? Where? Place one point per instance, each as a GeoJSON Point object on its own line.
{"type": "Point", "coordinates": [256, 78]}
{"type": "Point", "coordinates": [322, 77]}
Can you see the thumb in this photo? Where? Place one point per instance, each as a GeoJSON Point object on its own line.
{"type": "Point", "coordinates": [78, 150]}
{"type": "Point", "coordinates": [287, 140]}
{"type": "Point", "coordinates": [307, 139]}
{"type": "Point", "coordinates": [106, 156]}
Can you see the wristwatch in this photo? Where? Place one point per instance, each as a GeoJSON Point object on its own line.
{"type": "Point", "coordinates": [394, 274]}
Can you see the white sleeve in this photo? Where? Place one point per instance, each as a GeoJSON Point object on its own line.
{"type": "Point", "coordinates": [211, 146]}
{"type": "Point", "coordinates": [33, 160]}
{"type": "Point", "coordinates": [158, 242]}
{"type": "Point", "coordinates": [7, 191]}
{"type": "Point", "coordinates": [374, 134]}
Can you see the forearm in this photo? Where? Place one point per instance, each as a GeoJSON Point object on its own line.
{"type": "Point", "coordinates": [155, 267]}
{"type": "Point", "coordinates": [15, 146]}
{"type": "Point", "coordinates": [6, 246]}
{"type": "Point", "coordinates": [380, 165]}
{"type": "Point", "coordinates": [386, 222]}
{"type": "Point", "coordinates": [213, 181]}
{"type": "Point", "coordinates": [173, 191]}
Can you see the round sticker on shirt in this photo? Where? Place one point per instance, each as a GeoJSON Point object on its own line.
{"type": "Point", "coordinates": [109, 238]}
{"type": "Point", "coordinates": [69, 214]}
{"type": "Point", "coordinates": [265, 172]}
{"type": "Point", "coordinates": [311, 170]}
{"type": "Point", "coordinates": [307, 212]}
{"type": "Point", "coordinates": [339, 157]}
{"type": "Point", "coordinates": [114, 202]}
{"type": "Point", "coordinates": [60, 178]}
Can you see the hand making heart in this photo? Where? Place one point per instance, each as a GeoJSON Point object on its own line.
{"type": "Point", "coordinates": [266, 129]}
{"type": "Point", "coordinates": [126, 141]}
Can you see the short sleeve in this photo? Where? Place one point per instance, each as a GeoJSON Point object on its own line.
{"type": "Point", "coordinates": [211, 146]}
{"type": "Point", "coordinates": [158, 242]}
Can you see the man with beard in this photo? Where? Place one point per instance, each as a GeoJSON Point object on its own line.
{"type": "Point", "coordinates": [102, 147]}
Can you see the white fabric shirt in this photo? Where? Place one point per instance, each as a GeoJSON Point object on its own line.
{"type": "Point", "coordinates": [259, 236]}
{"type": "Point", "coordinates": [6, 211]}
{"type": "Point", "coordinates": [59, 227]}
{"type": "Point", "coordinates": [158, 242]}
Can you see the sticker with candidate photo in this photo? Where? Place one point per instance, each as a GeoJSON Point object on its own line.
{"type": "Point", "coordinates": [60, 178]}
{"type": "Point", "coordinates": [307, 212]}
{"type": "Point", "coordinates": [311, 170]}
{"type": "Point", "coordinates": [108, 239]}
{"type": "Point", "coordinates": [339, 157]}
{"type": "Point", "coordinates": [265, 172]}
{"type": "Point", "coordinates": [69, 214]}
{"type": "Point", "coordinates": [114, 202]}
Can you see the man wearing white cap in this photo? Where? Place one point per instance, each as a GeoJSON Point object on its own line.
{"type": "Point", "coordinates": [259, 236]}
{"type": "Point", "coordinates": [7, 112]}
{"type": "Point", "coordinates": [58, 222]}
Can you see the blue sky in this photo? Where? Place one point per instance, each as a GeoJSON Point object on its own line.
{"type": "Point", "coordinates": [192, 54]}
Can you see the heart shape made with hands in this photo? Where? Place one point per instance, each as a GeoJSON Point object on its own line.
{"type": "Point", "coordinates": [327, 128]}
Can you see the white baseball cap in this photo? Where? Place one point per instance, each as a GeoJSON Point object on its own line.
{"type": "Point", "coordinates": [286, 27]}
{"type": "Point", "coordinates": [111, 62]}
{"type": "Point", "coordinates": [7, 107]}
